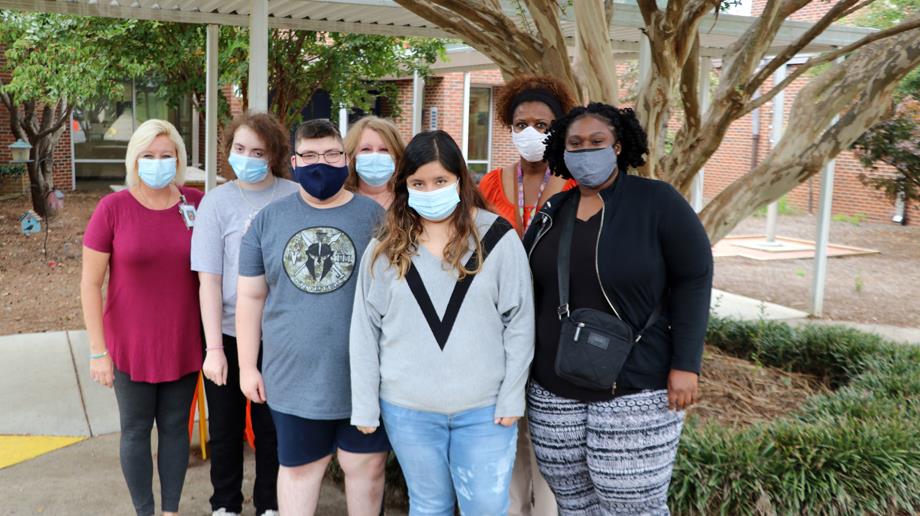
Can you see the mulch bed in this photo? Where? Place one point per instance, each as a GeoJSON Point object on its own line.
{"type": "Point", "coordinates": [736, 392]}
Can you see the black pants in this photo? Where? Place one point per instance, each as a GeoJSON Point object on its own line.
{"type": "Point", "coordinates": [139, 405]}
{"type": "Point", "coordinates": [227, 416]}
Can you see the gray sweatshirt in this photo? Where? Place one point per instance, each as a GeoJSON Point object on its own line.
{"type": "Point", "coordinates": [486, 360]}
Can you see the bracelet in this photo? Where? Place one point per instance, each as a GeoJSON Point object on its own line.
{"type": "Point", "coordinates": [94, 356]}
{"type": "Point", "coordinates": [209, 348]}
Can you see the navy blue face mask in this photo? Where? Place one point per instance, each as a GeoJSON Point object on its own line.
{"type": "Point", "coordinates": [321, 180]}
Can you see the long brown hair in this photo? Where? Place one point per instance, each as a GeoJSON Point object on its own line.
{"type": "Point", "coordinates": [399, 234]}
{"type": "Point", "coordinates": [387, 131]}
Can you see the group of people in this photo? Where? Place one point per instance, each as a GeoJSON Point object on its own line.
{"type": "Point", "coordinates": [367, 296]}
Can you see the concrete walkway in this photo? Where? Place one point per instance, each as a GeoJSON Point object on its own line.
{"type": "Point", "coordinates": [45, 387]}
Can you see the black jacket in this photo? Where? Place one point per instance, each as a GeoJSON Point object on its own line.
{"type": "Point", "coordinates": [651, 247]}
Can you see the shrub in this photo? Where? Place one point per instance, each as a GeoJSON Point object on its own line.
{"type": "Point", "coordinates": [852, 451]}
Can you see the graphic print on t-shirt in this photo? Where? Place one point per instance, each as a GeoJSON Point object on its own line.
{"type": "Point", "coordinates": [320, 259]}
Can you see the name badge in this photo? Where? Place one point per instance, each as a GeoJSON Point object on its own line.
{"type": "Point", "coordinates": [188, 213]}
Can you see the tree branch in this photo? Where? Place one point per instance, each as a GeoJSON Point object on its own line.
{"type": "Point", "coordinates": [51, 128]}
{"type": "Point", "coordinates": [487, 30]}
{"type": "Point", "coordinates": [689, 89]}
{"type": "Point", "coordinates": [828, 57]}
{"type": "Point", "coordinates": [555, 55]}
{"type": "Point", "coordinates": [861, 88]}
{"type": "Point", "coordinates": [595, 56]}
{"type": "Point", "coordinates": [791, 50]}
{"type": "Point", "coordinates": [649, 9]}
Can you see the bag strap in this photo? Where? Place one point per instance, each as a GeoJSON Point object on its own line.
{"type": "Point", "coordinates": [568, 213]}
{"type": "Point", "coordinates": [441, 328]}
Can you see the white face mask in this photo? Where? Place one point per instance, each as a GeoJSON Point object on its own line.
{"type": "Point", "coordinates": [529, 143]}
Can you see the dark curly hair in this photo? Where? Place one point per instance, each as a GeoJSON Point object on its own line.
{"type": "Point", "coordinates": [626, 130]}
{"type": "Point", "coordinates": [506, 99]}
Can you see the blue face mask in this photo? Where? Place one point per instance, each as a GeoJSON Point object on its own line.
{"type": "Point", "coordinates": [247, 169]}
{"type": "Point", "coordinates": [375, 168]}
{"type": "Point", "coordinates": [321, 180]}
{"type": "Point", "coordinates": [591, 167]}
{"type": "Point", "coordinates": [435, 205]}
{"type": "Point", "coordinates": [156, 173]}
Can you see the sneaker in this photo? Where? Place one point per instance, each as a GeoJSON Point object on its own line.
{"type": "Point", "coordinates": [270, 513]}
{"type": "Point", "coordinates": [224, 512]}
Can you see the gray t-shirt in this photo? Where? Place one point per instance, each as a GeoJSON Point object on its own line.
{"type": "Point", "coordinates": [309, 257]}
{"type": "Point", "coordinates": [224, 215]}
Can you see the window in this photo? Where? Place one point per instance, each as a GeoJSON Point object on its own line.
{"type": "Point", "coordinates": [480, 131]}
{"type": "Point", "coordinates": [101, 129]}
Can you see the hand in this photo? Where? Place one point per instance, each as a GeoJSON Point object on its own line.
{"type": "Point", "coordinates": [366, 430]}
{"type": "Point", "coordinates": [506, 421]}
{"type": "Point", "coordinates": [215, 366]}
{"type": "Point", "coordinates": [683, 389]}
{"type": "Point", "coordinates": [252, 385]}
{"type": "Point", "coordinates": [102, 371]}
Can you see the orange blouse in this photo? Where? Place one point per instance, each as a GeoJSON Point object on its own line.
{"type": "Point", "coordinates": [494, 193]}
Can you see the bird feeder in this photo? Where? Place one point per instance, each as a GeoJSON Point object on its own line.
{"type": "Point", "coordinates": [20, 151]}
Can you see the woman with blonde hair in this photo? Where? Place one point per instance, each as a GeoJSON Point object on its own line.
{"type": "Point", "coordinates": [146, 341]}
{"type": "Point", "coordinates": [374, 147]}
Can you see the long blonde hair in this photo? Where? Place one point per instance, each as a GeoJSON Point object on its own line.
{"type": "Point", "coordinates": [385, 128]}
{"type": "Point", "coordinates": [398, 236]}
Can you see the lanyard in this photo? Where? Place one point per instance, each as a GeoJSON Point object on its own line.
{"type": "Point", "coordinates": [520, 178]}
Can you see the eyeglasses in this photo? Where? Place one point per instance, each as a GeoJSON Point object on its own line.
{"type": "Point", "coordinates": [331, 156]}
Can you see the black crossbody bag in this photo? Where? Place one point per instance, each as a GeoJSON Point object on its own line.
{"type": "Point", "coordinates": [593, 344]}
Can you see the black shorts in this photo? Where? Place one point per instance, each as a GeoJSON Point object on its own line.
{"type": "Point", "coordinates": [302, 441]}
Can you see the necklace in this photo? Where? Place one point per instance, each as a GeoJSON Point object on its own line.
{"type": "Point", "coordinates": [520, 177]}
{"type": "Point", "coordinates": [253, 211]}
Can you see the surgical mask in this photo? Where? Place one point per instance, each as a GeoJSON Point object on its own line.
{"type": "Point", "coordinates": [529, 143]}
{"type": "Point", "coordinates": [375, 168]}
{"type": "Point", "coordinates": [156, 173]}
{"type": "Point", "coordinates": [591, 167]}
{"type": "Point", "coordinates": [247, 169]}
{"type": "Point", "coordinates": [435, 205]}
{"type": "Point", "coordinates": [321, 180]}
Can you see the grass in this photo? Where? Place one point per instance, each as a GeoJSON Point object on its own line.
{"type": "Point", "coordinates": [783, 208]}
{"type": "Point", "coordinates": [856, 219]}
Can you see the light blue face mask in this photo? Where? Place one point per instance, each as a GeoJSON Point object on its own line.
{"type": "Point", "coordinates": [247, 169]}
{"type": "Point", "coordinates": [375, 168]}
{"type": "Point", "coordinates": [435, 205]}
{"type": "Point", "coordinates": [156, 173]}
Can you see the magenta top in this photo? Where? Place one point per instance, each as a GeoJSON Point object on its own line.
{"type": "Point", "coordinates": [151, 321]}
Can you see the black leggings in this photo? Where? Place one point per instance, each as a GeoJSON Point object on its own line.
{"type": "Point", "coordinates": [139, 405]}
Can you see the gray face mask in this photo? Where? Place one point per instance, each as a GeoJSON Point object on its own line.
{"type": "Point", "coordinates": [591, 167]}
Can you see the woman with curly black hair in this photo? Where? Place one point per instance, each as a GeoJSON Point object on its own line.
{"type": "Point", "coordinates": [622, 274]}
{"type": "Point", "coordinates": [527, 106]}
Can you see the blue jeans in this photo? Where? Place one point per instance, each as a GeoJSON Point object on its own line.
{"type": "Point", "coordinates": [466, 453]}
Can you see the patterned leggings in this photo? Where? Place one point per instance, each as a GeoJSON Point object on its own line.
{"type": "Point", "coordinates": [606, 458]}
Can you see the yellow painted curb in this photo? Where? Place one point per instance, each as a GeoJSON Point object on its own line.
{"type": "Point", "coordinates": [19, 448]}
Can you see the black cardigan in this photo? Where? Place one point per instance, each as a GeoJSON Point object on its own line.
{"type": "Point", "coordinates": [651, 246]}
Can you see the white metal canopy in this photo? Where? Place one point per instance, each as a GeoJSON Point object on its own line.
{"type": "Point", "coordinates": [387, 18]}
